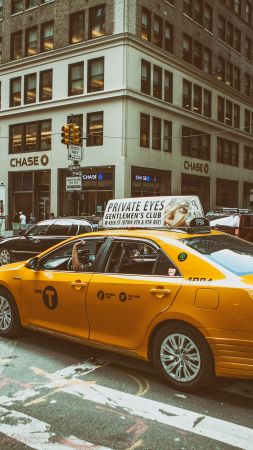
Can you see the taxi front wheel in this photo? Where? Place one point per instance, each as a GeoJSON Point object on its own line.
{"type": "Point", "coordinates": [9, 316]}
{"type": "Point", "coordinates": [182, 356]}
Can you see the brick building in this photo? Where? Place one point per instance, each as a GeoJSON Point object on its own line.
{"type": "Point", "coordinates": [163, 91]}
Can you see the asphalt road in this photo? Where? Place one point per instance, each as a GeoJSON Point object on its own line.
{"type": "Point", "coordinates": [59, 395]}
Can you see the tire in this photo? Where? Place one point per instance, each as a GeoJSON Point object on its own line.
{"type": "Point", "coordinates": [9, 315]}
{"type": "Point", "coordinates": [182, 356]}
{"type": "Point", "coordinates": [5, 256]}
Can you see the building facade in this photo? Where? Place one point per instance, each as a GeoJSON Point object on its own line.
{"type": "Point", "coordinates": [163, 92]}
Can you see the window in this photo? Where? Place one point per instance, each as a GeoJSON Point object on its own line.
{"type": "Point", "coordinates": [1, 9]}
{"type": "Point", "coordinates": [187, 7]}
{"type": "Point", "coordinates": [207, 106]}
{"type": "Point", "coordinates": [228, 118]}
{"type": "Point", "coordinates": [248, 48]}
{"type": "Point", "coordinates": [221, 109]}
{"type": "Point", "coordinates": [168, 86]}
{"type": "Point", "coordinates": [31, 41]}
{"type": "Point", "coordinates": [187, 48]}
{"type": "Point", "coordinates": [208, 17]}
{"type": "Point", "coordinates": [236, 116]}
{"type": "Point", "coordinates": [76, 27]}
{"type": "Point", "coordinates": [45, 134]}
{"type": "Point", "coordinates": [30, 4]}
{"type": "Point", "coordinates": [197, 99]}
{"type": "Point", "coordinates": [139, 258]}
{"type": "Point", "coordinates": [237, 6]}
{"type": "Point", "coordinates": [247, 115]}
{"type": "Point", "coordinates": [187, 94]}
{"type": "Point", "coordinates": [16, 45]}
{"type": "Point", "coordinates": [207, 60]}
{"type": "Point", "coordinates": [16, 6]}
{"type": "Point", "coordinates": [75, 79]}
{"type": "Point", "coordinates": [237, 40]}
{"type": "Point", "coordinates": [247, 88]}
{"type": "Point", "coordinates": [15, 91]}
{"type": "Point", "coordinates": [227, 152]}
{"type": "Point", "coordinates": [144, 130]}
{"type": "Point", "coordinates": [222, 28]}
{"type": "Point", "coordinates": [167, 136]}
{"type": "Point", "coordinates": [47, 36]}
{"type": "Point", "coordinates": [95, 129]}
{"type": "Point", "coordinates": [195, 144]}
{"type": "Point", "coordinates": [33, 136]}
{"type": "Point", "coordinates": [156, 134]}
{"type": "Point", "coordinates": [229, 74]}
{"type": "Point", "coordinates": [145, 77]}
{"type": "Point", "coordinates": [197, 54]}
{"type": "Point", "coordinates": [248, 157]}
{"type": "Point", "coordinates": [145, 24]}
{"type": "Point", "coordinates": [97, 22]}
{"type": "Point", "coordinates": [168, 40]}
{"type": "Point", "coordinates": [248, 12]}
{"type": "Point", "coordinates": [30, 137]}
{"type": "Point", "coordinates": [30, 88]}
{"type": "Point", "coordinates": [95, 75]}
{"type": "Point", "coordinates": [198, 11]}
{"type": "Point", "coordinates": [237, 78]}
{"type": "Point", "coordinates": [16, 138]}
{"type": "Point", "coordinates": [157, 82]}
{"type": "Point", "coordinates": [158, 31]}
{"type": "Point", "coordinates": [46, 85]}
{"type": "Point", "coordinates": [229, 34]}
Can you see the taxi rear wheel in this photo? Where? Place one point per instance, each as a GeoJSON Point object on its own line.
{"type": "Point", "coordinates": [5, 256]}
{"type": "Point", "coordinates": [9, 316]}
{"type": "Point", "coordinates": [182, 356]}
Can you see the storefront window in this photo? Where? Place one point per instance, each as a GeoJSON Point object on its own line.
{"type": "Point", "coordinates": [197, 185]}
{"type": "Point", "coordinates": [227, 193]}
{"type": "Point", "coordinates": [150, 182]}
{"type": "Point", "coordinates": [97, 189]}
{"type": "Point", "coordinates": [45, 135]}
{"type": "Point", "coordinates": [30, 137]}
{"type": "Point", "coordinates": [29, 192]}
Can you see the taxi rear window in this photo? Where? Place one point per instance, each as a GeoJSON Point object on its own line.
{"type": "Point", "coordinates": [230, 252]}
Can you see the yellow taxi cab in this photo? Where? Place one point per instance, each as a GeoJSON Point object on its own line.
{"type": "Point", "coordinates": [180, 297]}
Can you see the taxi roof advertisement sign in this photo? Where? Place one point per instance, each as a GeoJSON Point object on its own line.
{"type": "Point", "coordinates": [152, 212]}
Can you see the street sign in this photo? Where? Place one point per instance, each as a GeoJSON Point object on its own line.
{"type": "Point", "coordinates": [75, 153]}
{"type": "Point", "coordinates": [73, 183]}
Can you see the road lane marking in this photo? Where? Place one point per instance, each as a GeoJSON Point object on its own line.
{"type": "Point", "coordinates": [37, 434]}
{"type": "Point", "coordinates": [199, 424]}
{"type": "Point", "coordinates": [6, 350]}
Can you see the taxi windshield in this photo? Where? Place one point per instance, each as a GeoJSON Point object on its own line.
{"type": "Point", "coordinates": [230, 252]}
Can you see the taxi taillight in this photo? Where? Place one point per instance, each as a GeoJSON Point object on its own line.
{"type": "Point", "coordinates": [237, 231]}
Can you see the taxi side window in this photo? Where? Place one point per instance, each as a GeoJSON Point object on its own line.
{"type": "Point", "coordinates": [141, 258]}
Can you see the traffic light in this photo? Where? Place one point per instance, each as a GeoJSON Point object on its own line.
{"type": "Point", "coordinates": [77, 135]}
{"type": "Point", "coordinates": [65, 134]}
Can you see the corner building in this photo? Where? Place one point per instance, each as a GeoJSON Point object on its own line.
{"type": "Point", "coordinates": [163, 91]}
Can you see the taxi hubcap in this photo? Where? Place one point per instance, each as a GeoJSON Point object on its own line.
{"type": "Point", "coordinates": [5, 257]}
{"type": "Point", "coordinates": [5, 314]}
{"type": "Point", "coordinates": [180, 357]}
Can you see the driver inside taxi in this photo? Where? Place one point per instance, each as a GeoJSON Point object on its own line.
{"type": "Point", "coordinates": [78, 266]}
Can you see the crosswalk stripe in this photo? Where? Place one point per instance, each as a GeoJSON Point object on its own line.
{"type": "Point", "coordinates": [199, 424]}
{"type": "Point", "coordinates": [37, 434]}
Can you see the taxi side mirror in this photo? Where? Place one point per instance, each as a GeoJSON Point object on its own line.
{"type": "Point", "coordinates": [33, 263]}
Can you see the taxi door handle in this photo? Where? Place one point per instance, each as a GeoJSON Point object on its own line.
{"type": "Point", "coordinates": [78, 284]}
{"type": "Point", "coordinates": [160, 292]}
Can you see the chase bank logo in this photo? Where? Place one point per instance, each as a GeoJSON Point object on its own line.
{"type": "Point", "coordinates": [44, 160]}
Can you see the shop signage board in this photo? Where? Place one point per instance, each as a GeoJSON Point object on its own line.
{"type": "Point", "coordinates": [75, 153]}
{"type": "Point", "coordinates": [73, 183]}
{"type": "Point", "coordinates": [195, 166]}
{"type": "Point", "coordinates": [154, 212]}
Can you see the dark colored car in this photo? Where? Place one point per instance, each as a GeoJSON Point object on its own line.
{"type": "Point", "coordinates": [40, 237]}
{"type": "Point", "coordinates": [235, 221]}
